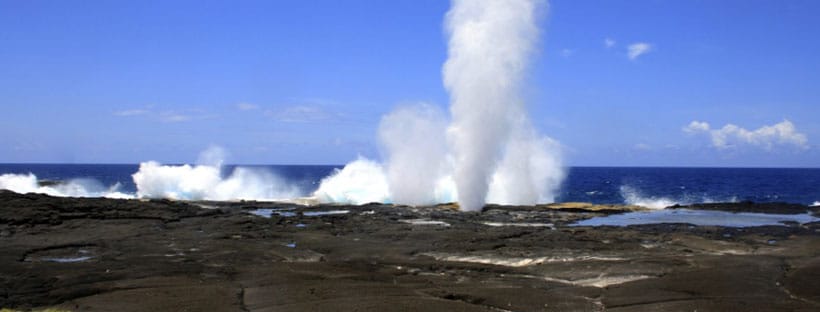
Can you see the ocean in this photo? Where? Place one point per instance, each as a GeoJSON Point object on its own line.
{"type": "Point", "coordinates": [650, 187]}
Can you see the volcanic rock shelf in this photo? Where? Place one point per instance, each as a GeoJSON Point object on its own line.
{"type": "Point", "coordinates": [132, 255]}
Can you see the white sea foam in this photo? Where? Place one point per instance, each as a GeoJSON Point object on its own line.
{"type": "Point", "coordinates": [28, 183]}
{"type": "Point", "coordinates": [489, 152]}
{"type": "Point", "coordinates": [205, 182]}
{"type": "Point", "coordinates": [415, 152]}
{"type": "Point", "coordinates": [359, 182]}
{"type": "Point", "coordinates": [634, 196]}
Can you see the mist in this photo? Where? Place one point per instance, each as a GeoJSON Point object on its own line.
{"type": "Point", "coordinates": [205, 181]}
{"type": "Point", "coordinates": [486, 150]}
{"type": "Point", "coordinates": [415, 151]}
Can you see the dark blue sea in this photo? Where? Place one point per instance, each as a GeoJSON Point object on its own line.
{"type": "Point", "coordinates": [602, 185]}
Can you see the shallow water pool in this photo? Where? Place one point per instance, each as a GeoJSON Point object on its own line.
{"type": "Point", "coordinates": [697, 217]}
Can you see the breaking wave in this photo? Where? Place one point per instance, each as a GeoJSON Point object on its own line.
{"type": "Point", "coordinates": [28, 183]}
{"type": "Point", "coordinates": [205, 182]}
{"type": "Point", "coordinates": [634, 196]}
{"type": "Point", "coordinates": [359, 182]}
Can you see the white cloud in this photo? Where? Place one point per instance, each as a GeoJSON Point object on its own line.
{"type": "Point", "coordinates": [301, 113]}
{"type": "Point", "coordinates": [246, 106]}
{"type": "Point", "coordinates": [730, 135]}
{"type": "Point", "coordinates": [696, 126]}
{"type": "Point", "coordinates": [643, 147]}
{"type": "Point", "coordinates": [185, 115]}
{"type": "Point", "coordinates": [169, 116]}
{"type": "Point", "coordinates": [567, 52]}
{"type": "Point", "coordinates": [609, 43]}
{"type": "Point", "coordinates": [637, 49]}
{"type": "Point", "coordinates": [131, 112]}
{"type": "Point", "coordinates": [174, 117]}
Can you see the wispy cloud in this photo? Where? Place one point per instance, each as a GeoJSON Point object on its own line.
{"type": "Point", "coordinates": [171, 116]}
{"type": "Point", "coordinates": [131, 112]}
{"type": "Point", "coordinates": [168, 116]}
{"type": "Point", "coordinates": [643, 147]}
{"type": "Point", "coordinates": [609, 42]}
{"type": "Point", "coordinates": [766, 137]}
{"type": "Point", "coordinates": [302, 114]}
{"type": "Point", "coordinates": [246, 106]}
{"type": "Point", "coordinates": [567, 52]}
{"type": "Point", "coordinates": [633, 51]}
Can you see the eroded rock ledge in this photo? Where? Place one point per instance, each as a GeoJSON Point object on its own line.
{"type": "Point", "coordinates": [132, 255]}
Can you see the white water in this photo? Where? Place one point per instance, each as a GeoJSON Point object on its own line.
{"type": "Point", "coordinates": [633, 196]}
{"type": "Point", "coordinates": [206, 182]}
{"type": "Point", "coordinates": [415, 149]}
{"type": "Point", "coordinates": [28, 183]}
{"type": "Point", "coordinates": [489, 152]}
{"type": "Point", "coordinates": [359, 182]}
{"type": "Point", "coordinates": [486, 151]}
{"type": "Point", "coordinates": [489, 50]}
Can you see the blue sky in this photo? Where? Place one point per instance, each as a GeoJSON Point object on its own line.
{"type": "Point", "coordinates": [306, 82]}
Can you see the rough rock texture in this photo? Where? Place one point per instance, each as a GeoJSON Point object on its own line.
{"type": "Point", "coordinates": [120, 255]}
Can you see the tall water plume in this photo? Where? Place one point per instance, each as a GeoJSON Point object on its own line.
{"type": "Point", "coordinates": [415, 150]}
{"type": "Point", "coordinates": [490, 46]}
{"type": "Point", "coordinates": [489, 151]}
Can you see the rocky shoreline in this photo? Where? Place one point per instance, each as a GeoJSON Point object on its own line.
{"type": "Point", "coordinates": [130, 255]}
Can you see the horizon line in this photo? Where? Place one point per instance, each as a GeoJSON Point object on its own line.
{"type": "Point", "coordinates": [342, 165]}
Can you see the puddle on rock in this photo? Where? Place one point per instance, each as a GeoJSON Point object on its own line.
{"type": "Point", "coordinates": [324, 213]}
{"type": "Point", "coordinates": [289, 212]}
{"type": "Point", "coordinates": [698, 218]}
{"type": "Point", "coordinates": [63, 254]}
{"type": "Point", "coordinates": [519, 224]}
{"type": "Point", "coordinates": [268, 212]}
{"type": "Point", "coordinates": [501, 260]}
{"type": "Point", "coordinates": [425, 222]}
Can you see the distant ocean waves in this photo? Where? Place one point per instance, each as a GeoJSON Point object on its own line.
{"type": "Point", "coordinates": [73, 187]}
{"type": "Point", "coordinates": [648, 187]}
{"type": "Point", "coordinates": [634, 196]}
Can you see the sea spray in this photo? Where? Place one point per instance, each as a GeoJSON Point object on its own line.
{"type": "Point", "coordinates": [80, 187]}
{"type": "Point", "coordinates": [415, 151]}
{"type": "Point", "coordinates": [359, 182]}
{"type": "Point", "coordinates": [201, 182]}
{"type": "Point", "coordinates": [489, 152]}
{"type": "Point", "coordinates": [206, 182]}
{"type": "Point", "coordinates": [489, 49]}
{"type": "Point", "coordinates": [530, 172]}
{"type": "Point", "coordinates": [634, 196]}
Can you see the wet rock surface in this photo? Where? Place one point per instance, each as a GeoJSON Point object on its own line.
{"type": "Point", "coordinates": [130, 255]}
{"type": "Point", "coordinates": [747, 206]}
